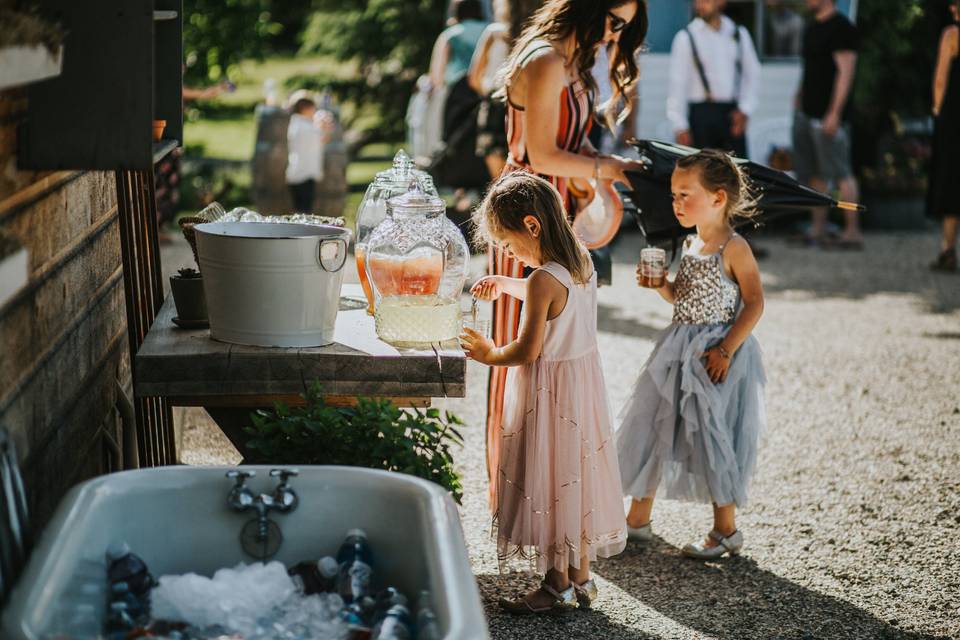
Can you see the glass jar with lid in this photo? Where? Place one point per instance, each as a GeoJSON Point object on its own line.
{"type": "Point", "coordinates": [416, 261]}
{"type": "Point", "coordinates": [373, 207]}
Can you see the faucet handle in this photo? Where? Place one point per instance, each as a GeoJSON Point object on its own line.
{"type": "Point", "coordinates": [284, 496]}
{"type": "Point", "coordinates": [239, 476]}
{"type": "Point", "coordinates": [240, 497]}
{"type": "Point", "coordinates": [284, 474]}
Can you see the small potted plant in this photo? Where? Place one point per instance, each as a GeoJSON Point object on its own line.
{"type": "Point", "coordinates": [187, 288]}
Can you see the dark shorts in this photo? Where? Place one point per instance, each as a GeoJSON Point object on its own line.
{"type": "Point", "coordinates": [710, 127]}
{"type": "Point", "coordinates": [816, 155]}
{"type": "Point", "coordinates": [302, 195]}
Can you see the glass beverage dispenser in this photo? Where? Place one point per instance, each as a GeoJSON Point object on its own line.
{"type": "Point", "coordinates": [416, 262]}
{"type": "Point", "coordinates": [373, 208]}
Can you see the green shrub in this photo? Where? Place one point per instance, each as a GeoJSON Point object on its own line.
{"type": "Point", "coordinates": [374, 434]}
{"type": "Point", "coordinates": [390, 42]}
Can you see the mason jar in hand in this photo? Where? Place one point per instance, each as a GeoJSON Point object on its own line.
{"type": "Point", "coordinates": [653, 267]}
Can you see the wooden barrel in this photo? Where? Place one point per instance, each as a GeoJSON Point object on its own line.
{"type": "Point", "coordinates": [269, 186]}
{"type": "Point", "coordinates": [269, 190]}
{"type": "Point", "coordinates": [332, 188]}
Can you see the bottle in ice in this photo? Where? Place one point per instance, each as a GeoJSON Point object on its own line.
{"type": "Point", "coordinates": [119, 621]}
{"type": "Point", "coordinates": [315, 577]}
{"type": "Point", "coordinates": [355, 618]}
{"type": "Point", "coordinates": [427, 626]}
{"type": "Point", "coordinates": [395, 626]}
{"type": "Point", "coordinates": [120, 592]}
{"type": "Point", "coordinates": [125, 566]}
{"type": "Point", "coordinates": [387, 599]}
{"type": "Point", "coordinates": [354, 560]}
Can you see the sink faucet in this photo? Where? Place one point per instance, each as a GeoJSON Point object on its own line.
{"type": "Point", "coordinates": [240, 497]}
{"type": "Point", "coordinates": [261, 532]}
{"type": "Point", "coordinates": [284, 497]}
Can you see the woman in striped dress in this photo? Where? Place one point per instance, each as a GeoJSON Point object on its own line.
{"type": "Point", "coordinates": [548, 87]}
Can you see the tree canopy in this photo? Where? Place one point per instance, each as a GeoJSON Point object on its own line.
{"type": "Point", "coordinates": [218, 34]}
{"type": "Point", "coordinates": [390, 41]}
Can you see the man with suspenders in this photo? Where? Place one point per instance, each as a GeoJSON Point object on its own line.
{"type": "Point", "coordinates": [714, 81]}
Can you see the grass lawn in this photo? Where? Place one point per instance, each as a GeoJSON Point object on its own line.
{"type": "Point", "coordinates": [225, 129]}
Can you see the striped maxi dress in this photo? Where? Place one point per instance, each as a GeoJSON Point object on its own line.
{"type": "Point", "coordinates": [576, 117]}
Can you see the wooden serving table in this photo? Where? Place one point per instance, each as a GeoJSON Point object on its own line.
{"type": "Point", "coordinates": [189, 368]}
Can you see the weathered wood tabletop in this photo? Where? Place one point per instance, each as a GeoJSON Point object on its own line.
{"type": "Point", "coordinates": [191, 369]}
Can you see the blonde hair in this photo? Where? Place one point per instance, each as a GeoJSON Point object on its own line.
{"type": "Point", "coordinates": [519, 194]}
{"type": "Point", "coordinates": [719, 172]}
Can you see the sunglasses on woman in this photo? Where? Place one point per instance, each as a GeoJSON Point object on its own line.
{"type": "Point", "coordinates": [617, 23]}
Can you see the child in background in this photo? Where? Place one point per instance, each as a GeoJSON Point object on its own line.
{"type": "Point", "coordinates": [693, 421]}
{"type": "Point", "coordinates": [555, 493]}
{"type": "Point", "coordinates": [307, 133]}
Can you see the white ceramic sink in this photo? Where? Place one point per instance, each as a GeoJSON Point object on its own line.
{"type": "Point", "coordinates": [177, 520]}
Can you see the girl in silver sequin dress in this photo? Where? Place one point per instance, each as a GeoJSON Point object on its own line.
{"type": "Point", "coordinates": [692, 423]}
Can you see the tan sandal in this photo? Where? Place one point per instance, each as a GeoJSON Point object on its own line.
{"type": "Point", "coordinates": [587, 593]}
{"type": "Point", "coordinates": [562, 601]}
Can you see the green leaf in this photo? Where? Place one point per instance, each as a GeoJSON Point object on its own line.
{"type": "Point", "coordinates": [375, 433]}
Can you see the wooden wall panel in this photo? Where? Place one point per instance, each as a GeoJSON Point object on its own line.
{"type": "Point", "coordinates": [63, 336]}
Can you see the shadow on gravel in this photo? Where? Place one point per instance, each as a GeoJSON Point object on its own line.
{"type": "Point", "coordinates": [891, 264]}
{"type": "Point", "coordinates": [610, 319]}
{"type": "Point", "coordinates": [593, 623]}
{"type": "Point", "coordinates": [943, 335]}
{"type": "Point", "coordinates": [734, 598]}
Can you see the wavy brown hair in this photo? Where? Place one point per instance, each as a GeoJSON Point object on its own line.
{"type": "Point", "coordinates": [586, 20]}
{"type": "Point", "coordinates": [519, 194]}
{"type": "Point", "coordinates": [719, 171]}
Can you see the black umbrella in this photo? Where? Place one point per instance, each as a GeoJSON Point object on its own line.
{"type": "Point", "coordinates": [776, 192]}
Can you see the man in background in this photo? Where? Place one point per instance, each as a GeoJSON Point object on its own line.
{"type": "Point", "coordinates": [821, 129]}
{"type": "Point", "coordinates": [714, 81]}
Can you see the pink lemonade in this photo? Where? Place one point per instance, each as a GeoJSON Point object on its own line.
{"type": "Point", "coordinates": [407, 276]}
{"type": "Point", "coordinates": [361, 253]}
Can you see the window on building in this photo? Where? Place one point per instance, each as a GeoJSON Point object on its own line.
{"type": "Point", "coordinates": [776, 25]}
{"type": "Point", "coordinates": [783, 22]}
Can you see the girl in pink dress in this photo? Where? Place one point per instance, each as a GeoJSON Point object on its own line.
{"type": "Point", "coordinates": [556, 490]}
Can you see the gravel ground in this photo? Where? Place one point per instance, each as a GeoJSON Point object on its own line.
{"type": "Point", "coordinates": [854, 520]}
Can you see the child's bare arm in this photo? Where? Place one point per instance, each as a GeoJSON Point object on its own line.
{"type": "Point", "coordinates": [666, 291]}
{"type": "Point", "coordinates": [744, 268]}
{"type": "Point", "coordinates": [543, 293]}
{"type": "Point", "coordinates": [492, 287]}
{"type": "Point", "coordinates": [747, 274]}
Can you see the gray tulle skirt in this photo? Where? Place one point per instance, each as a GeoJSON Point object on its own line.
{"type": "Point", "coordinates": [683, 437]}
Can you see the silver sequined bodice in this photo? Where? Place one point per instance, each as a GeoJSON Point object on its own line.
{"type": "Point", "coordinates": [703, 294]}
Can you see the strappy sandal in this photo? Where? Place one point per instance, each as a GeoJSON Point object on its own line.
{"type": "Point", "coordinates": [586, 593]}
{"type": "Point", "coordinates": [562, 601]}
{"type": "Point", "coordinates": [731, 544]}
{"type": "Point", "coordinates": [946, 261]}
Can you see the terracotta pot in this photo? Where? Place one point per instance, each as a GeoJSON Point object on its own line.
{"type": "Point", "coordinates": [158, 126]}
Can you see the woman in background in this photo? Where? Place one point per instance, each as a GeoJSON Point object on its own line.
{"type": "Point", "coordinates": [945, 166]}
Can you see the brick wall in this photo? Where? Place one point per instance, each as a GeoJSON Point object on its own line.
{"type": "Point", "coordinates": [62, 335]}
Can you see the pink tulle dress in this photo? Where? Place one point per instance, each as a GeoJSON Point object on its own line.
{"type": "Point", "coordinates": [556, 486]}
